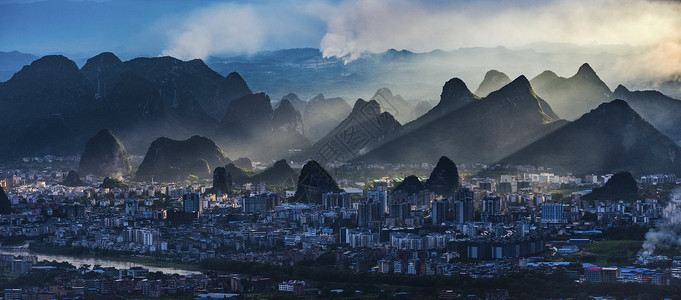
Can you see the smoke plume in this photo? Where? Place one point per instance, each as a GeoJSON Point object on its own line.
{"type": "Point", "coordinates": [668, 232]}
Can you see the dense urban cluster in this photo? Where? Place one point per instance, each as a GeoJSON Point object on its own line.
{"type": "Point", "coordinates": [487, 227]}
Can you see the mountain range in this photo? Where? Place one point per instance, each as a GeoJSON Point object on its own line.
{"type": "Point", "coordinates": [661, 111]}
{"type": "Point", "coordinates": [366, 127]}
{"type": "Point", "coordinates": [611, 137]}
{"type": "Point", "coordinates": [52, 107]}
{"type": "Point", "coordinates": [481, 130]}
{"type": "Point", "coordinates": [572, 97]}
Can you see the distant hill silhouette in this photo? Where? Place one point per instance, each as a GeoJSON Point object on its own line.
{"type": "Point", "coordinates": [287, 119]}
{"type": "Point", "coordinates": [313, 182]}
{"type": "Point", "coordinates": [279, 174]}
{"type": "Point", "coordinates": [621, 186]}
{"type": "Point", "coordinates": [5, 204]}
{"type": "Point", "coordinates": [251, 127]}
{"type": "Point", "coordinates": [444, 178]}
{"type": "Point", "coordinates": [72, 179]}
{"type": "Point", "coordinates": [52, 107]}
{"type": "Point", "coordinates": [171, 160]}
{"type": "Point", "coordinates": [11, 62]}
{"type": "Point", "coordinates": [409, 186]}
{"type": "Point", "coordinates": [104, 156]}
{"type": "Point", "coordinates": [46, 98]}
{"type": "Point", "coordinates": [297, 103]}
{"type": "Point", "coordinates": [455, 94]}
{"type": "Point", "coordinates": [178, 82]}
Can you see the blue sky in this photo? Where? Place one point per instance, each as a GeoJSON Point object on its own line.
{"type": "Point", "coordinates": [135, 27]}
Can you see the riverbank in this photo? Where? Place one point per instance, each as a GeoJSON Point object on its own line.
{"type": "Point", "coordinates": [117, 261]}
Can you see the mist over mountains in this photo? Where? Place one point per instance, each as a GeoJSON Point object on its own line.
{"type": "Point", "coordinates": [52, 107]}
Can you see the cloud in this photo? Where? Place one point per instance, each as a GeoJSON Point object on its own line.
{"type": "Point", "coordinates": [355, 27]}
{"type": "Point", "coordinates": [244, 28]}
{"type": "Point", "coordinates": [350, 28]}
{"type": "Point", "coordinates": [216, 29]}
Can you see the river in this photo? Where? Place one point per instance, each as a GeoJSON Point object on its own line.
{"type": "Point", "coordinates": [78, 261]}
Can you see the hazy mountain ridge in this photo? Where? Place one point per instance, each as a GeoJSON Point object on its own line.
{"type": "Point", "coordinates": [134, 107]}
{"type": "Point", "coordinates": [484, 130]}
{"type": "Point", "coordinates": [394, 104]}
{"type": "Point", "coordinates": [11, 62]}
{"type": "Point", "coordinates": [322, 114]}
{"type": "Point", "coordinates": [611, 137]}
{"type": "Point", "coordinates": [492, 81]}
{"type": "Point", "coordinates": [574, 96]}
{"type": "Point", "coordinates": [661, 111]}
{"type": "Point", "coordinates": [366, 127]}
{"type": "Point", "coordinates": [455, 94]}
{"type": "Point", "coordinates": [252, 128]}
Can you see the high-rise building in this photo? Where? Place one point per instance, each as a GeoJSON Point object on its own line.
{"type": "Point", "coordinates": [462, 193]}
{"type": "Point", "coordinates": [439, 211]}
{"type": "Point", "coordinates": [367, 212]}
{"type": "Point", "coordinates": [260, 203]}
{"type": "Point", "coordinates": [504, 188]}
{"type": "Point", "coordinates": [463, 211]}
{"type": "Point", "coordinates": [379, 195]}
{"type": "Point", "coordinates": [485, 186]}
{"type": "Point", "coordinates": [552, 213]}
{"type": "Point", "coordinates": [331, 200]}
{"type": "Point", "coordinates": [399, 209]}
{"type": "Point", "coordinates": [462, 205]}
{"type": "Point", "coordinates": [192, 203]}
{"type": "Point", "coordinates": [491, 205]}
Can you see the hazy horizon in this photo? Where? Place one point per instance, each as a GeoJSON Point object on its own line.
{"type": "Point", "coordinates": [344, 28]}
